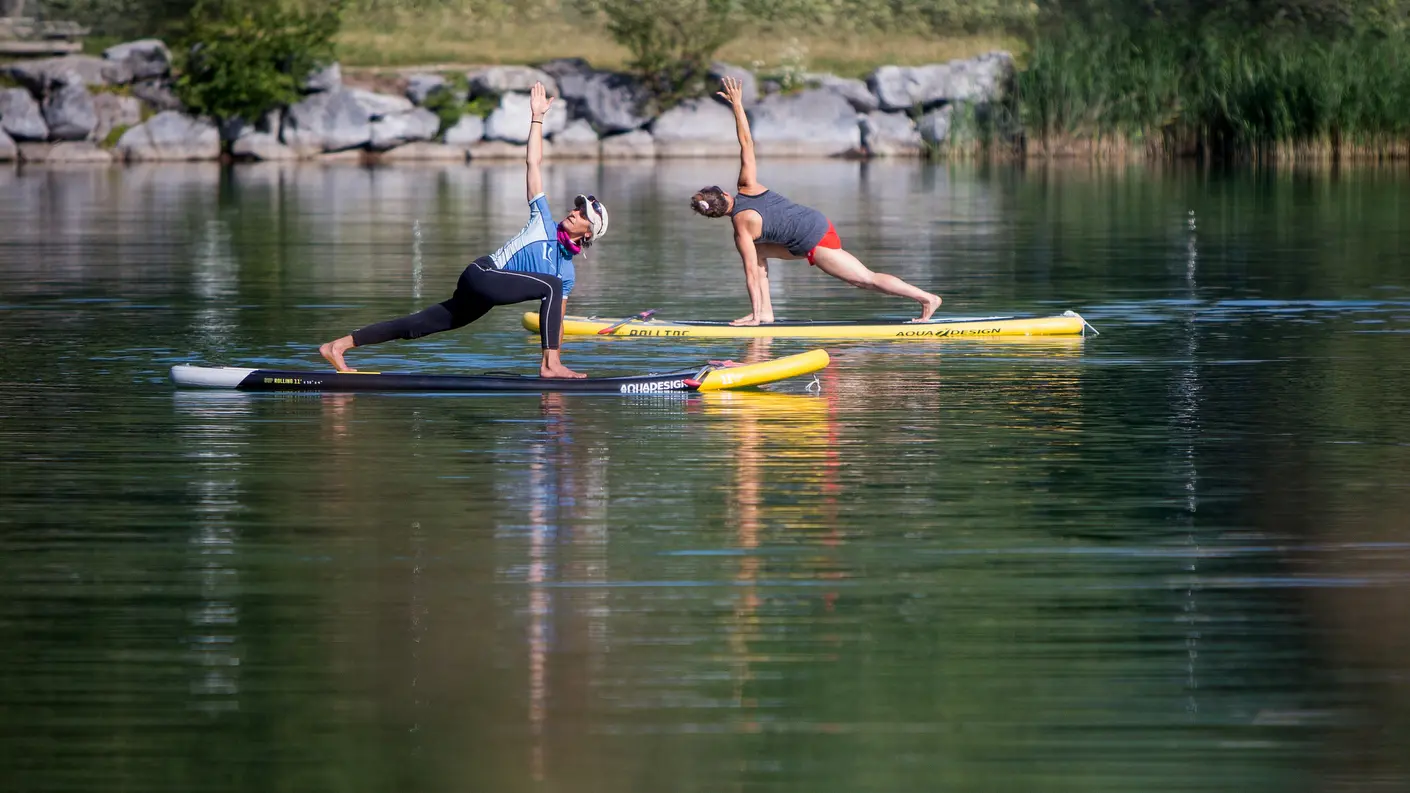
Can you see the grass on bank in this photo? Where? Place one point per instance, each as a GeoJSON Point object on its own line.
{"type": "Point", "coordinates": [449, 38]}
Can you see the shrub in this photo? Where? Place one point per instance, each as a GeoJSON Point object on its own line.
{"type": "Point", "coordinates": [242, 58]}
{"type": "Point", "coordinates": [671, 41]}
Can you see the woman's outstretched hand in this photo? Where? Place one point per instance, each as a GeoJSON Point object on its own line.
{"type": "Point", "coordinates": [539, 101]}
{"type": "Point", "coordinates": [733, 93]}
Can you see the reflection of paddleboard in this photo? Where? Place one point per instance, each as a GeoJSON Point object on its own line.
{"type": "Point", "coordinates": [1068, 323]}
{"type": "Point", "coordinates": [705, 378]}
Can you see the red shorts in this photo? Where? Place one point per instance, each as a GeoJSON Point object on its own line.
{"type": "Point", "coordinates": [829, 240]}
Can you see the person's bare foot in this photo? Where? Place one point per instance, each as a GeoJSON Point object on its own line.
{"type": "Point", "coordinates": [560, 371]}
{"type": "Point", "coordinates": [928, 308]}
{"type": "Point", "coordinates": [552, 366]}
{"type": "Point", "coordinates": [333, 353]}
{"type": "Point", "coordinates": [752, 320]}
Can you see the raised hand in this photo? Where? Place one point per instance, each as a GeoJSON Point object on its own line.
{"type": "Point", "coordinates": [539, 101]}
{"type": "Point", "coordinates": [733, 93]}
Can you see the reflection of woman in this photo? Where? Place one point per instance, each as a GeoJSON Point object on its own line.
{"type": "Point", "coordinates": [769, 226]}
{"type": "Point", "coordinates": [536, 265]}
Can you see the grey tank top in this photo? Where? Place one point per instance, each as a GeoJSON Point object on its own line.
{"type": "Point", "coordinates": [791, 225]}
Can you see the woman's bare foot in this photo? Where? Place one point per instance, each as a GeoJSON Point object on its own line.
{"type": "Point", "coordinates": [928, 307]}
{"type": "Point", "coordinates": [751, 320]}
{"type": "Point", "coordinates": [553, 367]}
{"type": "Point", "coordinates": [333, 352]}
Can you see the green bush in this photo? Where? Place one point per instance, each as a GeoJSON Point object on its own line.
{"type": "Point", "coordinates": [671, 41]}
{"type": "Point", "coordinates": [242, 58]}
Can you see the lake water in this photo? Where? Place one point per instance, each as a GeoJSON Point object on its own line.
{"type": "Point", "coordinates": [1172, 557]}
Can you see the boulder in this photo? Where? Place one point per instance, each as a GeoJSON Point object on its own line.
{"type": "Point", "coordinates": [634, 145]}
{"type": "Point", "coordinates": [57, 153]}
{"type": "Point", "coordinates": [157, 95]}
{"type": "Point", "coordinates": [328, 78]}
{"type": "Point", "coordinates": [854, 91]}
{"type": "Point", "coordinates": [510, 121]}
{"type": "Point", "coordinates": [144, 58]}
{"type": "Point", "coordinates": [571, 75]}
{"type": "Point", "coordinates": [890, 135]}
{"type": "Point", "coordinates": [170, 135]}
{"type": "Point", "coordinates": [44, 74]}
{"type": "Point", "coordinates": [934, 127]}
{"type": "Point", "coordinates": [113, 111]}
{"type": "Point", "coordinates": [696, 128]}
{"type": "Point", "coordinates": [327, 121]}
{"type": "Point", "coordinates": [748, 88]}
{"type": "Point", "coordinates": [261, 146]}
{"type": "Point", "coordinates": [814, 123]}
{"type": "Point", "coordinates": [389, 132]}
{"type": "Point", "coordinates": [9, 152]}
{"type": "Point", "coordinates": [577, 141]}
{"type": "Point", "coordinates": [611, 102]}
{"type": "Point", "coordinates": [419, 87]}
{"type": "Point", "coordinates": [70, 113]}
{"type": "Point", "coordinates": [469, 129]}
{"type": "Point", "coordinates": [422, 151]}
{"type": "Point", "coordinates": [379, 105]}
{"type": "Point", "coordinates": [498, 80]}
{"type": "Point", "coordinates": [976, 79]}
{"type": "Point", "coordinates": [20, 115]}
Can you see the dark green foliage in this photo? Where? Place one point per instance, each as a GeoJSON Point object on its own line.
{"type": "Point", "coordinates": [1221, 78]}
{"type": "Point", "coordinates": [671, 41]}
{"type": "Point", "coordinates": [242, 58]}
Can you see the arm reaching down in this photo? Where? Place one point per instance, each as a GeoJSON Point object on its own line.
{"type": "Point", "coordinates": [748, 174]}
{"type": "Point", "coordinates": [539, 102]}
{"type": "Point", "coordinates": [756, 273]}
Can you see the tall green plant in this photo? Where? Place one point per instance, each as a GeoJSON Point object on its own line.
{"type": "Point", "coordinates": [671, 41]}
{"type": "Point", "coordinates": [239, 59]}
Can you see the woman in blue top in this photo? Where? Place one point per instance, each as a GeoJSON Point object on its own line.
{"type": "Point", "coordinates": [536, 265]}
{"type": "Point", "coordinates": [769, 226]}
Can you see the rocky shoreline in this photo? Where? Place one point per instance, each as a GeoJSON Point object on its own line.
{"type": "Point", "coordinates": [121, 108]}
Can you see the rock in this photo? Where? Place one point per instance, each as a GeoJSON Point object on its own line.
{"type": "Point", "coordinates": [170, 135]}
{"type": "Point", "coordinates": [934, 127]}
{"type": "Point", "coordinates": [571, 74]}
{"type": "Point", "coordinates": [469, 129]}
{"type": "Point", "coordinates": [748, 88]}
{"type": "Point", "coordinates": [498, 80]}
{"type": "Point", "coordinates": [337, 157]}
{"type": "Point", "coordinates": [807, 124]}
{"type": "Point", "coordinates": [56, 153]}
{"type": "Point", "coordinates": [498, 150]}
{"type": "Point", "coordinates": [379, 105]}
{"type": "Point", "coordinates": [261, 146]}
{"type": "Point", "coordinates": [328, 78]}
{"type": "Point", "coordinates": [976, 79]}
{"type": "Point", "coordinates": [510, 121]}
{"type": "Point", "coordinates": [425, 152]}
{"type": "Point", "coordinates": [157, 95]}
{"type": "Point", "coordinates": [44, 74]}
{"type": "Point", "coordinates": [144, 58]}
{"type": "Point", "coordinates": [611, 102]}
{"type": "Point", "coordinates": [20, 115]}
{"type": "Point", "coordinates": [69, 112]}
{"type": "Point", "coordinates": [854, 91]}
{"type": "Point", "coordinates": [9, 152]}
{"type": "Point", "coordinates": [890, 135]}
{"type": "Point", "coordinates": [419, 87]}
{"type": "Point", "coordinates": [577, 141]}
{"type": "Point", "coordinates": [696, 128]}
{"type": "Point", "coordinates": [634, 145]}
{"type": "Point", "coordinates": [327, 121]}
{"type": "Point", "coordinates": [388, 132]}
{"type": "Point", "coordinates": [113, 111]}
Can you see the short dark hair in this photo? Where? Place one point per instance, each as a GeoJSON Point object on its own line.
{"type": "Point", "coordinates": [710, 202]}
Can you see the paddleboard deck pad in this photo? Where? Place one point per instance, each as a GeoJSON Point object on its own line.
{"type": "Point", "coordinates": [1068, 323]}
{"type": "Point", "coordinates": [709, 377]}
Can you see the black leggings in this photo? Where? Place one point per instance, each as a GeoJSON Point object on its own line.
{"type": "Point", "coordinates": [480, 288]}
